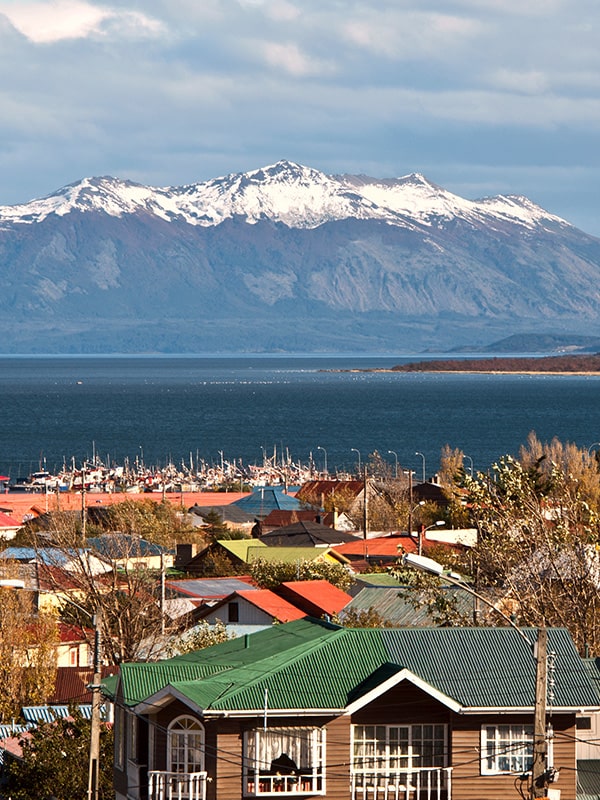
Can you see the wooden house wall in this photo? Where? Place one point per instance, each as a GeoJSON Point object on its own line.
{"type": "Point", "coordinates": [467, 781]}
{"type": "Point", "coordinates": [404, 704]}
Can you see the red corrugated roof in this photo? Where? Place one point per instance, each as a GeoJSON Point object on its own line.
{"type": "Point", "coordinates": [271, 604]}
{"type": "Point", "coordinates": [315, 597]}
{"type": "Point", "coordinates": [7, 521]}
{"type": "Point", "coordinates": [380, 546]}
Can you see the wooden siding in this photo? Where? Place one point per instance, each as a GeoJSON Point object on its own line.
{"type": "Point", "coordinates": [403, 705]}
{"type": "Point", "coordinates": [467, 781]}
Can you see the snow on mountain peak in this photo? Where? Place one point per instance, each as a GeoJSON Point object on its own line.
{"type": "Point", "coordinates": [286, 192]}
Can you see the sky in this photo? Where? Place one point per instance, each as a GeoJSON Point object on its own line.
{"type": "Point", "coordinates": [483, 97]}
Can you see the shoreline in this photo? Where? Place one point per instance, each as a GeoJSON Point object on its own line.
{"type": "Point", "coordinates": [576, 373]}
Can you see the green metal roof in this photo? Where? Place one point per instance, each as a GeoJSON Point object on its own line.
{"type": "Point", "coordinates": [291, 555]}
{"type": "Point", "coordinates": [395, 606]}
{"type": "Point", "coordinates": [310, 664]}
{"type": "Point", "coordinates": [240, 547]}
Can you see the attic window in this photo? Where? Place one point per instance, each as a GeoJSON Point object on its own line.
{"type": "Point", "coordinates": [233, 611]}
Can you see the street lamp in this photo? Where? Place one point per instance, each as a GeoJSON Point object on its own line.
{"type": "Point", "coordinates": [424, 530]}
{"type": "Point", "coordinates": [538, 649]}
{"type": "Point", "coordinates": [325, 458]}
{"type": "Point", "coordinates": [423, 457]}
{"type": "Point", "coordinates": [393, 453]}
{"type": "Point", "coordinates": [470, 463]}
{"type": "Point", "coordinates": [354, 450]}
{"type": "Point", "coordinates": [591, 447]}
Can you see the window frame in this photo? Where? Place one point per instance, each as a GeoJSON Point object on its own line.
{"type": "Point", "coordinates": [258, 777]}
{"type": "Point", "coordinates": [381, 756]}
{"type": "Point", "coordinates": [514, 744]}
{"type": "Point", "coordinates": [178, 752]}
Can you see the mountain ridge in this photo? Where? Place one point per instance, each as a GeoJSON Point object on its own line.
{"type": "Point", "coordinates": [287, 258]}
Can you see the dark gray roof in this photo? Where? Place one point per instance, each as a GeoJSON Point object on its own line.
{"type": "Point", "coordinates": [228, 513]}
{"type": "Point", "coordinates": [305, 534]}
{"type": "Point", "coordinates": [209, 588]}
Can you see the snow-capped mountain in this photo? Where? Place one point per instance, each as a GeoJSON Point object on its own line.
{"type": "Point", "coordinates": [297, 196]}
{"type": "Point", "coordinates": [287, 258]}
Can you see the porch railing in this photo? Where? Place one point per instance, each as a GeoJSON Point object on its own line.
{"type": "Point", "coordinates": [429, 783]}
{"type": "Point", "coordinates": [176, 785]}
{"type": "Point", "coordinates": [266, 784]}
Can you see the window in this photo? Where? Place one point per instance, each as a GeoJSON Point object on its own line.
{"type": "Point", "coordinates": [506, 748]}
{"type": "Point", "coordinates": [233, 610]}
{"type": "Point", "coordinates": [409, 757]}
{"type": "Point", "coordinates": [289, 760]}
{"type": "Point", "coordinates": [186, 745]}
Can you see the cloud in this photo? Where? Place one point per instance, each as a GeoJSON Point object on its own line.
{"type": "Point", "coordinates": [49, 22]}
{"type": "Point", "coordinates": [289, 57]}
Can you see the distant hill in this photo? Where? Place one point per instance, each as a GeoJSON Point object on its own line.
{"type": "Point", "coordinates": [538, 343]}
{"type": "Point", "coordinates": [288, 259]}
{"type": "Point", "coordinates": [556, 364]}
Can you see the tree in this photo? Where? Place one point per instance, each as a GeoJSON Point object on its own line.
{"type": "Point", "coordinates": [55, 762]}
{"type": "Point", "coordinates": [203, 635]}
{"type": "Point", "coordinates": [269, 574]}
{"type": "Point", "coordinates": [27, 653]}
{"type": "Point", "coordinates": [452, 470]}
{"type": "Point", "coordinates": [538, 542]}
{"type": "Point", "coordinates": [361, 618]}
{"type": "Point", "coordinates": [125, 597]}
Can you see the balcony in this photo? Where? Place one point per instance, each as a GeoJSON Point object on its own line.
{"type": "Point", "coordinates": [176, 785]}
{"type": "Point", "coordinates": [266, 784]}
{"type": "Point", "coordinates": [433, 783]}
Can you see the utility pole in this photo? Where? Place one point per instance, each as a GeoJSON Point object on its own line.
{"type": "Point", "coordinates": [540, 747]}
{"type": "Point", "coordinates": [539, 651]}
{"type": "Point", "coordinates": [83, 506]}
{"type": "Point", "coordinates": [410, 502]}
{"type": "Point", "coordinates": [94, 761]}
{"type": "Point", "coordinates": [365, 504]}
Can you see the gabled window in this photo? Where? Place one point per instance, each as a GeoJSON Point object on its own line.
{"type": "Point", "coordinates": [185, 745]}
{"type": "Point", "coordinates": [233, 611]}
{"type": "Point", "coordinates": [284, 760]}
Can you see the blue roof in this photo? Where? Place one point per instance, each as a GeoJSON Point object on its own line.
{"type": "Point", "coordinates": [267, 499]}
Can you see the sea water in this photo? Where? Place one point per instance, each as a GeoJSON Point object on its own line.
{"type": "Point", "coordinates": [160, 409]}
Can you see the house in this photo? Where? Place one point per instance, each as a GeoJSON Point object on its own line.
{"type": "Point", "coordinates": [231, 515]}
{"type": "Point", "coordinates": [306, 533]}
{"type": "Point", "coordinates": [8, 526]}
{"type": "Point", "coordinates": [280, 517]}
{"type": "Point", "coordinates": [342, 495]}
{"type": "Point", "coordinates": [233, 552]}
{"type": "Point", "coordinates": [310, 709]}
{"type": "Point", "coordinates": [76, 560]}
{"type": "Point", "coordinates": [252, 607]}
{"type": "Point", "coordinates": [128, 551]}
{"type": "Point", "coordinates": [265, 499]}
{"type": "Point", "coordinates": [317, 598]}
{"type": "Point", "coordinates": [383, 551]}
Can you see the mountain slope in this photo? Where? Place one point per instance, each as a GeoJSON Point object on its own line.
{"type": "Point", "coordinates": [287, 258]}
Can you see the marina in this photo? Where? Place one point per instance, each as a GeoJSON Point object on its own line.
{"type": "Point", "coordinates": [154, 423]}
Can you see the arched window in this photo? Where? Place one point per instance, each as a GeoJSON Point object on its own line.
{"type": "Point", "coordinates": [186, 745]}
